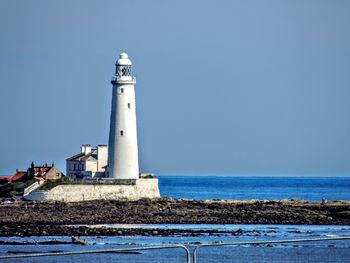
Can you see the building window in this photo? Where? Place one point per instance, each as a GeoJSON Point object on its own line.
{"type": "Point", "coordinates": [128, 105]}
{"type": "Point", "coordinates": [82, 167]}
{"type": "Point", "coordinates": [121, 133]}
{"type": "Point", "coordinates": [75, 167]}
{"type": "Point", "coordinates": [121, 90]}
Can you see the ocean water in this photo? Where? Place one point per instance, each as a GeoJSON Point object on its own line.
{"type": "Point", "coordinates": [327, 251]}
{"type": "Point", "coordinates": [218, 187]}
{"type": "Point", "coordinates": [255, 187]}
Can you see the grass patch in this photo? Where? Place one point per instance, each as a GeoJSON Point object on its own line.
{"type": "Point", "coordinates": [48, 185]}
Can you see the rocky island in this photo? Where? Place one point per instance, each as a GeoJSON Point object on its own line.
{"type": "Point", "coordinates": [18, 218]}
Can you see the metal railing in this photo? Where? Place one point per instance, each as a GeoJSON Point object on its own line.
{"type": "Point", "coordinates": [123, 78]}
{"type": "Point", "coordinates": [188, 255]}
{"type": "Point", "coordinates": [184, 247]}
{"type": "Point", "coordinates": [265, 242]}
{"type": "Point", "coordinates": [32, 187]}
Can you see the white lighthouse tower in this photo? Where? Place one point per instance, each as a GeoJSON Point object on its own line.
{"type": "Point", "coordinates": [122, 152]}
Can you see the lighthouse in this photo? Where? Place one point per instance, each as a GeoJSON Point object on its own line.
{"type": "Point", "coordinates": [122, 165]}
{"type": "Point", "coordinates": [123, 150]}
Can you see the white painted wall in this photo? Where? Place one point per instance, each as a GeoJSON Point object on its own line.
{"type": "Point", "coordinates": [102, 157]}
{"type": "Point", "coordinates": [91, 165]}
{"type": "Point", "coordinates": [144, 188]}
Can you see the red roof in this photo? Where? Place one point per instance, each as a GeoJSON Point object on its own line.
{"type": "Point", "coordinates": [17, 176]}
{"type": "Point", "coordinates": [41, 171]}
{"type": "Point", "coordinates": [4, 178]}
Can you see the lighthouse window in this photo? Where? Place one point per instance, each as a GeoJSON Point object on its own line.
{"type": "Point", "coordinates": [121, 133]}
{"type": "Point", "coordinates": [121, 90]}
{"type": "Point", "coordinates": [129, 105]}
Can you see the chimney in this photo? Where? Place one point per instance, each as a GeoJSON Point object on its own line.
{"type": "Point", "coordinates": [86, 149]}
{"type": "Point", "coordinates": [102, 151]}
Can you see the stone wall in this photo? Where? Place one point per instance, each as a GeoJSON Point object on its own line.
{"type": "Point", "coordinates": [144, 188]}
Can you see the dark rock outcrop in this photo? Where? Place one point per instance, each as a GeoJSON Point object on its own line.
{"type": "Point", "coordinates": [44, 218]}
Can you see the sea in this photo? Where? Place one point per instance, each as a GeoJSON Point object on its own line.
{"type": "Point", "coordinates": [256, 187]}
{"type": "Point", "coordinates": [217, 187]}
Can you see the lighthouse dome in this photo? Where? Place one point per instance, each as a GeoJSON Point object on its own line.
{"type": "Point", "coordinates": [124, 60]}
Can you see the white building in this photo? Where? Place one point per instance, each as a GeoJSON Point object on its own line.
{"type": "Point", "coordinates": [123, 151]}
{"type": "Point", "coordinates": [89, 163]}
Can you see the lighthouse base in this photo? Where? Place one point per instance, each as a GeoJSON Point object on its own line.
{"type": "Point", "coordinates": [128, 190]}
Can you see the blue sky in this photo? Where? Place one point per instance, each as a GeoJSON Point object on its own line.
{"type": "Point", "coordinates": [223, 87]}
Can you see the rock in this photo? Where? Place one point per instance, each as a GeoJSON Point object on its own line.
{"type": "Point", "coordinates": [48, 218]}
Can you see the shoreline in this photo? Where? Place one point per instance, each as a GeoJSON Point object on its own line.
{"type": "Point", "coordinates": [59, 218]}
{"type": "Point", "coordinates": [34, 230]}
